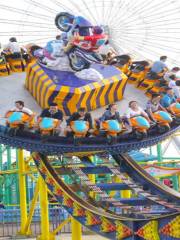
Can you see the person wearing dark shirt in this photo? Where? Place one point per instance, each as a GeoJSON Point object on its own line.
{"type": "Point", "coordinates": [111, 113]}
{"type": "Point", "coordinates": [81, 114]}
{"type": "Point", "coordinates": [52, 112]}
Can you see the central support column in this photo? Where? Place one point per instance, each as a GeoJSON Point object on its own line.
{"type": "Point", "coordinates": [76, 230]}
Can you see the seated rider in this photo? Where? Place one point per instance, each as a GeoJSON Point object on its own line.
{"type": "Point", "coordinates": [159, 66]}
{"type": "Point", "coordinates": [135, 110]}
{"type": "Point", "coordinates": [111, 113]}
{"type": "Point", "coordinates": [154, 105]}
{"type": "Point", "coordinates": [52, 112]}
{"type": "Point", "coordinates": [174, 83]}
{"type": "Point", "coordinates": [168, 99]}
{"type": "Point", "coordinates": [81, 114]}
{"type": "Point", "coordinates": [19, 107]}
{"type": "Point", "coordinates": [173, 71]}
{"type": "Point", "coordinates": [12, 48]}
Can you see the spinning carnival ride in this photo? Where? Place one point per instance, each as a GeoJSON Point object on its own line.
{"type": "Point", "coordinates": [149, 210]}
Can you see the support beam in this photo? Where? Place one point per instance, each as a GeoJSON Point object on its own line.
{"type": "Point", "coordinates": [124, 193]}
{"type": "Point", "coordinates": [22, 192]}
{"type": "Point", "coordinates": [61, 225]}
{"type": "Point", "coordinates": [8, 190]}
{"type": "Point", "coordinates": [16, 183]}
{"type": "Point", "coordinates": [159, 153]}
{"type": "Point", "coordinates": [92, 178]}
{"type": "Point", "coordinates": [1, 158]}
{"type": "Point", "coordinates": [76, 230]}
{"type": "Point", "coordinates": [45, 231]}
{"type": "Point", "coordinates": [32, 208]}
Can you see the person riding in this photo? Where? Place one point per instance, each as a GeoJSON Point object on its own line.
{"type": "Point", "coordinates": [173, 71]}
{"type": "Point", "coordinates": [52, 112]}
{"type": "Point", "coordinates": [13, 48]}
{"type": "Point", "coordinates": [154, 105]}
{"type": "Point", "coordinates": [20, 107]}
{"type": "Point", "coordinates": [81, 114]}
{"type": "Point", "coordinates": [168, 99]}
{"type": "Point", "coordinates": [111, 113]}
{"type": "Point", "coordinates": [174, 83]}
{"type": "Point", "coordinates": [135, 110]}
{"type": "Point", "coordinates": [159, 67]}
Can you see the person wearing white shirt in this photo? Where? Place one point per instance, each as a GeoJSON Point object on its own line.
{"type": "Point", "coordinates": [13, 46]}
{"type": "Point", "coordinates": [135, 110]}
{"type": "Point", "coordinates": [19, 107]}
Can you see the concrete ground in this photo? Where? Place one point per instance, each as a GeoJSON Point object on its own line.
{"type": "Point", "coordinates": [89, 237]}
{"type": "Point", "coordinates": [62, 237]}
{"type": "Point", "coordinates": [12, 89]}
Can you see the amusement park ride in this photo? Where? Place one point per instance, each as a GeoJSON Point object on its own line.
{"type": "Point", "coordinates": [96, 180]}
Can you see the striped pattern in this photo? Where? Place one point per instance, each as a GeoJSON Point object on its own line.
{"type": "Point", "coordinates": [69, 99]}
{"type": "Point", "coordinates": [17, 65]}
{"type": "Point", "coordinates": [4, 69]}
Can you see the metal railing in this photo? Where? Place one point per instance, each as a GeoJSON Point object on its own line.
{"type": "Point", "coordinates": [10, 221]}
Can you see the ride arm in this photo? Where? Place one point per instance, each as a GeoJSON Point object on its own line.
{"type": "Point", "coordinates": [127, 117]}
{"type": "Point", "coordinates": [104, 117]}
{"type": "Point", "coordinates": [168, 104]}
{"type": "Point", "coordinates": [162, 108]}
{"type": "Point", "coordinates": [129, 122]}
{"type": "Point", "coordinates": [59, 117]}
{"type": "Point", "coordinates": [145, 115]}
{"type": "Point", "coordinates": [59, 123]}
{"type": "Point", "coordinates": [170, 109]}
{"type": "Point", "coordinates": [118, 117]}
{"type": "Point", "coordinates": [73, 117]}
{"type": "Point", "coordinates": [89, 119]}
{"type": "Point", "coordinates": [149, 111]}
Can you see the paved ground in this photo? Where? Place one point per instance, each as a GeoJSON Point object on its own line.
{"type": "Point", "coordinates": [12, 89]}
{"type": "Point", "coordinates": [62, 237]}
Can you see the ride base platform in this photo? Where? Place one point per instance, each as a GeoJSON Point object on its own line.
{"type": "Point", "coordinates": [71, 92]}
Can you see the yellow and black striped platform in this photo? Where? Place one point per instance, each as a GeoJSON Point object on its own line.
{"type": "Point", "coordinates": [70, 92]}
{"type": "Point", "coordinates": [4, 67]}
{"type": "Point", "coordinates": [17, 65]}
